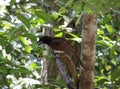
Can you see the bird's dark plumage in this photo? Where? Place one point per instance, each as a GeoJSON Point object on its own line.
{"type": "Point", "coordinates": [57, 43]}
{"type": "Point", "coordinates": [45, 39]}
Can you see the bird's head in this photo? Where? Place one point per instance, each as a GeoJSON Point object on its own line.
{"type": "Point", "coordinates": [45, 40]}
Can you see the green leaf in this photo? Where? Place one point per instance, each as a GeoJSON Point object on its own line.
{"type": "Point", "coordinates": [101, 43]}
{"type": "Point", "coordinates": [100, 32]}
{"type": "Point", "coordinates": [106, 19]}
{"type": "Point", "coordinates": [31, 36]}
{"type": "Point", "coordinates": [43, 15]}
{"type": "Point", "coordinates": [101, 80]}
{"type": "Point", "coordinates": [4, 69]}
{"type": "Point", "coordinates": [79, 18]}
{"type": "Point", "coordinates": [108, 67]}
{"type": "Point", "coordinates": [59, 82]}
{"type": "Point", "coordinates": [115, 74]}
{"type": "Point", "coordinates": [60, 34]}
{"type": "Point", "coordinates": [1, 55]}
{"type": "Point", "coordinates": [23, 40]}
{"type": "Point", "coordinates": [109, 28]}
{"type": "Point", "coordinates": [43, 86]}
{"type": "Point", "coordinates": [41, 21]}
{"type": "Point", "coordinates": [33, 66]}
{"type": "Point", "coordinates": [6, 24]}
{"type": "Point", "coordinates": [28, 48]}
{"type": "Point", "coordinates": [113, 51]}
{"type": "Point", "coordinates": [56, 29]}
{"type": "Point", "coordinates": [55, 15]}
{"type": "Point", "coordinates": [12, 3]}
{"type": "Point", "coordinates": [3, 42]}
{"type": "Point", "coordinates": [23, 19]}
{"type": "Point", "coordinates": [69, 3]}
{"type": "Point", "coordinates": [73, 35]}
{"type": "Point", "coordinates": [8, 48]}
{"type": "Point", "coordinates": [19, 70]}
{"type": "Point", "coordinates": [25, 70]}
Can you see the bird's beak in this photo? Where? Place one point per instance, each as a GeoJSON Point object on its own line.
{"type": "Point", "coordinates": [39, 42]}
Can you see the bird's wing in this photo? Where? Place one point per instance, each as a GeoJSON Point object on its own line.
{"type": "Point", "coordinates": [61, 44]}
{"type": "Point", "coordinates": [59, 39]}
{"type": "Point", "coordinates": [56, 42]}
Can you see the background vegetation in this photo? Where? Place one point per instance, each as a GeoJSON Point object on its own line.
{"type": "Point", "coordinates": [22, 21]}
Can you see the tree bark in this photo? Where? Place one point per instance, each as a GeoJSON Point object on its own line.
{"type": "Point", "coordinates": [49, 69]}
{"type": "Point", "coordinates": [88, 51]}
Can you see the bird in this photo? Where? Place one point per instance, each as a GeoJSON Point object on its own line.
{"type": "Point", "coordinates": [60, 44]}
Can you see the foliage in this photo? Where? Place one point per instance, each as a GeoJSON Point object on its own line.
{"type": "Point", "coordinates": [21, 23]}
{"type": "Point", "coordinates": [108, 50]}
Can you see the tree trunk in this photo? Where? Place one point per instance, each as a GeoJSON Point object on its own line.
{"type": "Point", "coordinates": [88, 51]}
{"type": "Point", "coordinates": [49, 69]}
